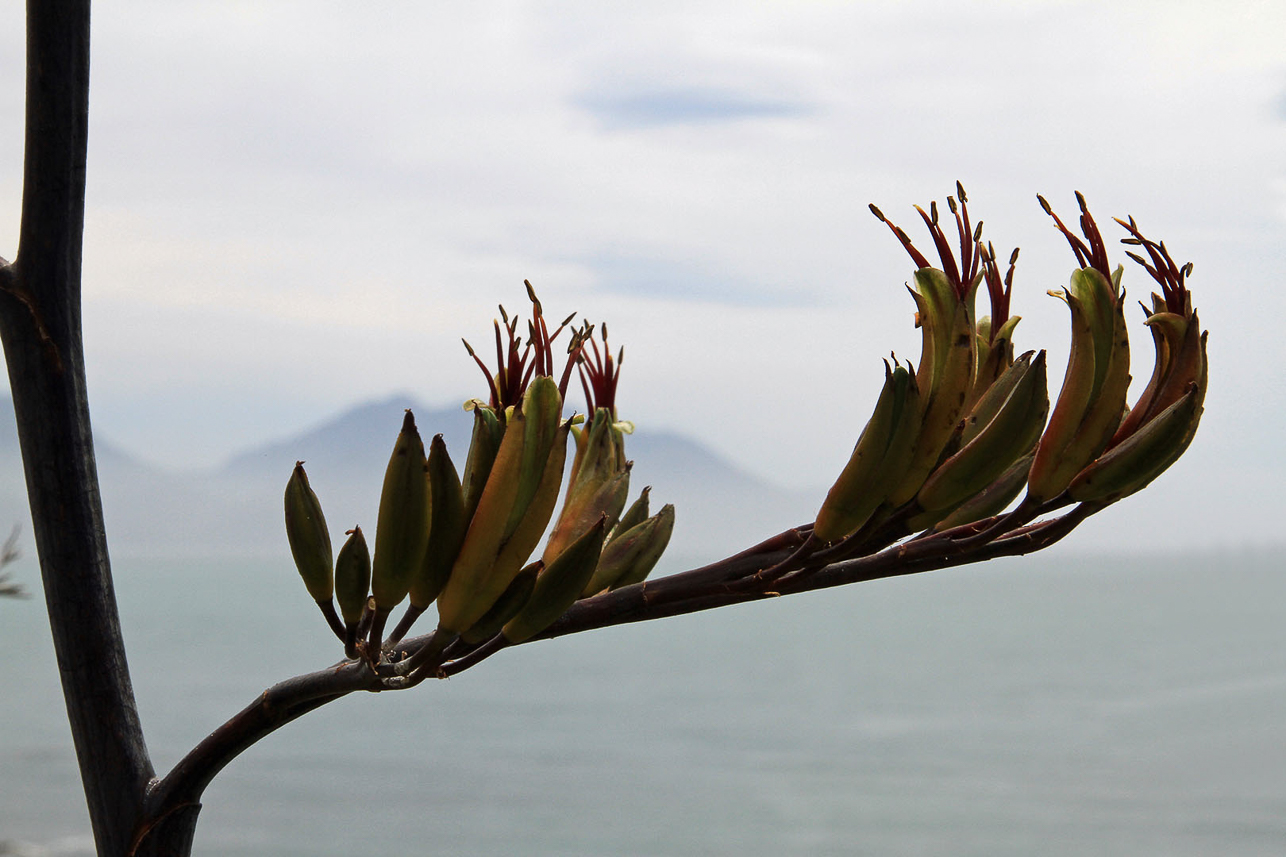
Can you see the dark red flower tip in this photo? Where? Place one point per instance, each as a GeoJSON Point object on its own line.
{"type": "Point", "coordinates": [998, 290]}
{"type": "Point", "coordinates": [962, 274]}
{"type": "Point", "coordinates": [1091, 255]}
{"type": "Point", "coordinates": [599, 373]}
{"type": "Point", "coordinates": [517, 363]}
{"type": "Point", "coordinates": [1163, 269]}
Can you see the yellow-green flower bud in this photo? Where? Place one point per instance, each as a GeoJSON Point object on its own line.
{"type": "Point", "coordinates": [308, 536]}
{"type": "Point", "coordinates": [353, 577]}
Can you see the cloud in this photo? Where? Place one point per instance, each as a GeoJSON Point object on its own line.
{"type": "Point", "coordinates": [324, 201]}
{"type": "Point", "coordinates": [655, 278]}
{"type": "Point", "coordinates": [684, 106]}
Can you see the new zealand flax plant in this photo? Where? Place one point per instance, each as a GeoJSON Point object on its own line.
{"type": "Point", "coordinates": [955, 440]}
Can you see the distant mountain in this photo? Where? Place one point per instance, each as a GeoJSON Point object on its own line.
{"type": "Point", "coordinates": [236, 509]}
{"type": "Point", "coordinates": [147, 510]}
{"type": "Point", "coordinates": [355, 442]}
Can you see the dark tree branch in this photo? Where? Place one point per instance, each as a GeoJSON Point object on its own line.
{"type": "Point", "coordinates": [277, 706]}
{"type": "Point", "coordinates": [40, 322]}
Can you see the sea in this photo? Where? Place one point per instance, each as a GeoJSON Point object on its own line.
{"type": "Point", "coordinates": [1067, 703]}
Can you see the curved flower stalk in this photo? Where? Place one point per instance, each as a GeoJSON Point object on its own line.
{"type": "Point", "coordinates": [953, 441]}
{"type": "Point", "coordinates": [888, 514]}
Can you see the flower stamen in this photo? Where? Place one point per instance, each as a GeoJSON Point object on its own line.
{"type": "Point", "coordinates": [517, 362]}
{"type": "Point", "coordinates": [1163, 269]}
{"type": "Point", "coordinates": [1092, 255]}
{"type": "Point", "coordinates": [961, 275]}
{"type": "Point", "coordinates": [599, 376]}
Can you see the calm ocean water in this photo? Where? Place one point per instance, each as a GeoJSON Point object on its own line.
{"type": "Point", "coordinates": [1054, 705]}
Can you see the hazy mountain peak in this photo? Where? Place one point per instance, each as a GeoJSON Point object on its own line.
{"type": "Point", "coordinates": [237, 508]}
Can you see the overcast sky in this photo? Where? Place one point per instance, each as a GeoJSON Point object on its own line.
{"type": "Point", "coordinates": [295, 207]}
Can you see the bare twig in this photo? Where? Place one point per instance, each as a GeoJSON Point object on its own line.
{"type": "Point", "coordinates": [9, 553]}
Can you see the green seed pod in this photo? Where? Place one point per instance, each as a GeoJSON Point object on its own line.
{"type": "Point", "coordinates": [402, 531]}
{"type": "Point", "coordinates": [599, 454]}
{"type": "Point", "coordinates": [1143, 456]}
{"type": "Point", "coordinates": [879, 460]}
{"type": "Point", "coordinates": [513, 599]}
{"type": "Point", "coordinates": [634, 515]}
{"type": "Point", "coordinates": [954, 361]}
{"type": "Point", "coordinates": [308, 536]}
{"type": "Point", "coordinates": [995, 355]}
{"type": "Point", "coordinates": [992, 500]}
{"type": "Point", "coordinates": [446, 530]}
{"type": "Point", "coordinates": [518, 548]}
{"type": "Point", "coordinates": [621, 554]}
{"type": "Point", "coordinates": [1005, 438]}
{"type": "Point", "coordinates": [473, 586]}
{"type": "Point", "coordinates": [541, 409]}
{"type": "Point", "coordinates": [657, 541]}
{"type": "Point", "coordinates": [583, 508]}
{"type": "Point", "coordinates": [353, 577]}
{"type": "Point", "coordinates": [853, 497]}
{"type": "Point", "coordinates": [1062, 451]}
{"type": "Point", "coordinates": [487, 432]}
{"type": "Point", "coordinates": [558, 587]}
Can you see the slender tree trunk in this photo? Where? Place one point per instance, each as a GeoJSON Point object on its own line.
{"type": "Point", "coordinates": [40, 321]}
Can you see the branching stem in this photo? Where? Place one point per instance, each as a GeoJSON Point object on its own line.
{"type": "Point", "coordinates": [733, 580]}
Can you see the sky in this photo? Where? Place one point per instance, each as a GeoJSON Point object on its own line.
{"type": "Point", "coordinates": [296, 207]}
